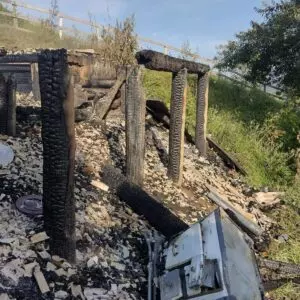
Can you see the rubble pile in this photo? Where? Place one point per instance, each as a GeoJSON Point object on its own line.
{"type": "Point", "coordinates": [111, 249]}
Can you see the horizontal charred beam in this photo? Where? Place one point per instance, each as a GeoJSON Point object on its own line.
{"type": "Point", "coordinates": [159, 216]}
{"type": "Point", "coordinates": [158, 61]}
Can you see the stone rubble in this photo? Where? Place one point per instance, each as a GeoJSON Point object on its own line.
{"type": "Point", "coordinates": [111, 249]}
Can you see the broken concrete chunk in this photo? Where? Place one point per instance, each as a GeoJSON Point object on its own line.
{"type": "Point", "coordinates": [95, 293]}
{"type": "Point", "coordinates": [61, 295]}
{"type": "Point", "coordinates": [41, 281]}
{"type": "Point", "coordinates": [44, 255]}
{"type": "Point", "coordinates": [92, 262]}
{"type": "Point", "coordinates": [118, 266]}
{"type": "Point", "coordinates": [29, 268]}
{"type": "Point", "coordinates": [76, 291]}
{"type": "Point", "coordinates": [39, 237]}
{"type": "Point", "coordinates": [50, 266]}
{"type": "Point", "coordinates": [4, 297]}
{"type": "Point", "coordinates": [100, 185]}
{"type": "Point", "coordinates": [13, 271]}
{"type": "Point", "coordinates": [61, 272]}
{"type": "Point", "coordinates": [7, 241]}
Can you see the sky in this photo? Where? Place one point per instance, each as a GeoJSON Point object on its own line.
{"type": "Point", "coordinates": [206, 24]}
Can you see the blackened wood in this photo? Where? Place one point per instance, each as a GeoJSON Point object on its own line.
{"type": "Point", "coordinates": [11, 106]}
{"type": "Point", "coordinates": [280, 267]}
{"type": "Point", "coordinates": [135, 110]}
{"type": "Point", "coordinates": [201, 113]}
{"type": "Point", "coordinates": [102, 105]}
{"type": "Point", "coordinates": [177, 125]}
{"type": "Point", "coordinates": [58, 151]}
{"type": "Point", "coordinates": [158, 215]}
{"type": "Point", "coordinates": [158, 61]}
{"type": "Point", "coordinates": [19, 58]}
{"type": "Point", "coordinates": [161, 113]}
{"type": "Point", "coordinates": [3, 105]}
{"type": "Point", "coordinates": [102, 84]}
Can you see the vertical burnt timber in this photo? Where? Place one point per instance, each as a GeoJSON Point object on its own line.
{"type": "Point", "coordinates": [11, 106]}
{"type": "Point", "coordinates": [58, 138]}
{"type": "Point", "coordinates": [201, 113]}
{"type": "Point", "coordinates": [135, 110]}
{"type": "Point", "coordinates": [3, 105]}
{"type": "Point", "coordinates": [7, 105]}
{"type": "Point", "coordinates": [177, 125]}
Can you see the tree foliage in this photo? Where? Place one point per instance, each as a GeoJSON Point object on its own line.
{"type": "Point", "coordinates": [269, 51]}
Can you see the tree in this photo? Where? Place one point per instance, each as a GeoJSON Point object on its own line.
{"type": "Point", "coordinates": [54, 10]}
{"type": "Point", "coordinates": [269, 51]}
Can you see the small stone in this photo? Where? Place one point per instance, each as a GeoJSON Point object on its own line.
{"type": "Point", "coordinates": [29, 268]}
{"type": "Point", "coordinates": [118, 266]}
{"type": "Point", "coordinates": [92, 262]}
{"type": "Point", "coordinates": [4, 297]}
{"type": "Point", "coordinates": [76, 291]}
{"type": "Point", "coordinates": [61, 294]}
{"type": "Point", "coordinates": [61, 272]}
{"type": "Point", "coordinates": [50, 266]}
{"type": "Point", "coordinates": [41, 281]}
{"type": "Point", "coordinates": [44, 255]}
{"type": "Point", "coordinates": [39, 237]}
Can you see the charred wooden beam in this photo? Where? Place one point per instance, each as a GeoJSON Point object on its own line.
{"type": "Point", "coordinates": [101, 84]}
{"type": "Point", "coordinates": [177, 125]}
{"type": "Point", "coordinates": [135, 110]}
{"type": "Point", "coordinates": [280, 267]}
{"type": "Point", "coordinates": [58, 151]}
{"type": "Point", "coordinates": [158, 61]}
{"type": "Point", "coordinates": [11, 106]}
{"type": "Point", "coordinates": [201, 113]}
{"type": "Point", "coordinates": [19, 58]}
{"type": "Point", "coordinates": [159, 216]}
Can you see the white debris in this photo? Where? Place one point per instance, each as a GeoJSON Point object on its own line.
{"type": "Point", "coordinates": [6, 155]}
{"type": "Point", "coordinates": [4, 297]}
{"type": "Point", "coordinates": [50, 266]}
{"type": "Point", "coordinates": [45, 255]}
{"type": "Point", "coordinates": [92, 262]}
{"type": "Point", "coordinates": [96, 293]}
{"type": "Point", "coordinates": [76, 290]}
{"type": "Point", "coordinates": [61, 294]}
{"type": "Point", "coordinates": [100, 185]}
{"type": "Point", "coordinates": [39, 237]}
{"type": "Point", "coordinates": [61, 272]}
{"type": "Point", "coordinates": [41, 281]}
{"type": "Point", "coordinates": [118, 266]}
{"type": "Point", "coordinates": [29, 268]}
{"type": "Point", "coordinates": [13, 271]}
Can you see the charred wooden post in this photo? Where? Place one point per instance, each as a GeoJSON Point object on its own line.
{"type": "Point", "coordinates": [3, 105]}
{"type": "Point", "coordinates": [11, 106]}
{"type": "Point", "coordinates": [135, 110]}
{"type": "Point", "coordinates": [59, 151]}
{"type": "Point", "coordinates": [7, 105]}
{"type": "Point", "coordinates": [177, 125]}
{"type": "Point", "coordinates": [201, 113]}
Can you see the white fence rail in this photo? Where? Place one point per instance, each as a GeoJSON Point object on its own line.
{"type": "Point", "coordinates": [96, 27]}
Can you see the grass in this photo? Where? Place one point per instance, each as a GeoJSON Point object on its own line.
{"type": "Point", "coordinates": [241, 120]}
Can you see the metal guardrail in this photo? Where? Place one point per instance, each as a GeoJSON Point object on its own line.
{"type": "Point", "coordinates": [230, 75]}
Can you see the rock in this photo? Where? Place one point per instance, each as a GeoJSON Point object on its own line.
{"type": "Point", "coordinates": [13, 271]}
{"type": "Point", "coordinates": [4, 297]}
{"type": "Point", "coordinates": [95, 293]}
{"type": "Point", "coordinates": [50, 266]}
{"type": "Point", "coordinates": [61, 272]}
{"type": "Point", "coordinates": [29, 268]}
{"type": "Point", "coordinates": [44, 255]}
{"type": "Point", "coordinates": [92, 262]}
{"type": "Point", "coordinates": [76, 291]}
{"type": "Point", "coordinates": [283, 238]}
{"type": "Point", "coordinates": [39, 237]}
{"type": "Point", "coordinates": [268, 199]}
{"type": "Point", "coordinates": [41, 281]}
{"type": "Point", "coordinates": [61, 294]}
{"type": "Point", "coordinates": [118, 266]}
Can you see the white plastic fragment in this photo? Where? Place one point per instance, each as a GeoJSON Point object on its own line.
{"type": "Point", "coordinates": [100, 185]}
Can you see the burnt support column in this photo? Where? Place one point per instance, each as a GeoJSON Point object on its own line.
{"type": "Point", "coordinates": [7, 105]}
{"type": "Point", "coordinates": [135, 110]}
{"type": "Point", "coordinates": [201, 113]}
{"type": "Point", "coordinates": [177, 125]}
{"type": "Point", "coordinates": [3, 105]}
{"type": "Point", "coordinates": [58, 137]}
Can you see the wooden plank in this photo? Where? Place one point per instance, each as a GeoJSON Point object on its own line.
{"type": "Point", "coordinates": [177, 125]}
{"type": "Point", "coordinates": [201, 113]}
{"type": "Point", "coordinates": [158, 61]}
{"type": "Point", "coordinates": [158, 215]}
{"type": "Point", "coordinates": [3, 105]}
{"type": "Point", "coordinates": [135, 110]}
{"type": "Point", "coordinates": [247, 225]}
{"type": "Point", "coordinates": [58, 137]}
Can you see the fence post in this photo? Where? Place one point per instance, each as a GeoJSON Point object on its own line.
{"type": "Point", "coordinates": [15, 19]}
{"type": "Point", "coordinates": [60, 26]}
{"type": "Point", "coordinates": [135, 110]}
{"type": "Point", "coordinates": [58, 137]}
{"type": "Point", "coordinates": [11, 106]}
{"type": "Point", "coordinates": [177, 125]}
{"type": "Point", "coordinates": [201, 113]}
